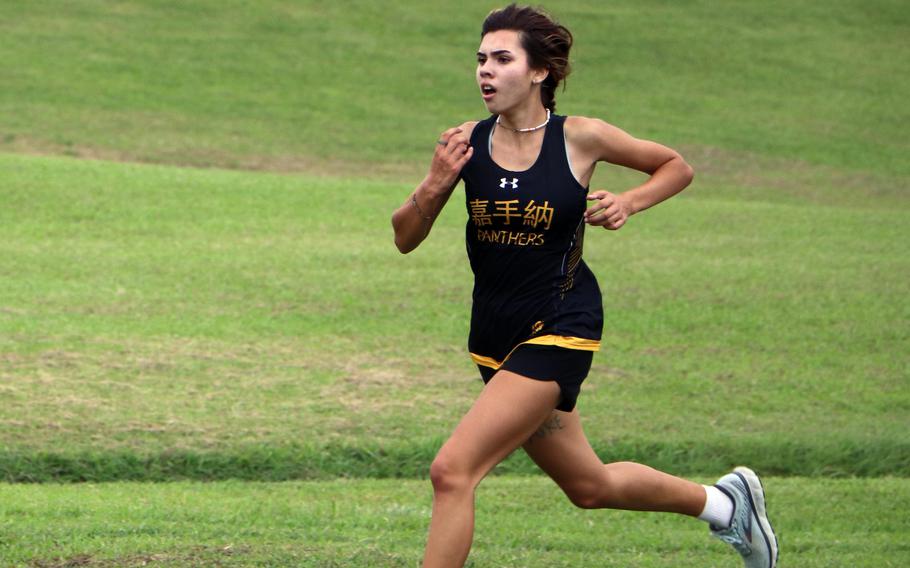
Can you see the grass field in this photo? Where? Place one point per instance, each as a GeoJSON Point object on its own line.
{"type": "Point", "coordinates": [524, 522]}
{"type": "Point", "coordinates": [193, 317]}
{"type": "Point", "coordinates": [247, 319]}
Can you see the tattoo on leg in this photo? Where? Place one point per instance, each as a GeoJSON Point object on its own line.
{"type": "Point", "coordinates": [549, 427]}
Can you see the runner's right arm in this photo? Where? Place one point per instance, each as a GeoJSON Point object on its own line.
{"type": "Point", "coordinates": [414, 219]}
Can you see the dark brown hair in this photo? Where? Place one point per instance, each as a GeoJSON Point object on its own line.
{"type": "Point", "coordinates": [546, 42]}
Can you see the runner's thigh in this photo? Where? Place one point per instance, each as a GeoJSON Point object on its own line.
{"type": "Point", "coordinates": [559, 447]}
{"type": "Point", "coordinates": [509, 409]}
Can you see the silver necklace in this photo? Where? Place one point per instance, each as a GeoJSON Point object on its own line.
{"type": "Point", "coordinates": [532, 129]}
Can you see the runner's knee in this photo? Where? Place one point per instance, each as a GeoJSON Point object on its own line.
{"type": "Point", "coordinates": [608, 489]}
{"type": "Point", "coordinates": [447, 477]}
{"type": "Point", "coordinates": [586, 495]}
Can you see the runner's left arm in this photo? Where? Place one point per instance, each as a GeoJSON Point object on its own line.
{"type": "Point", "coordinates": [668, 172]}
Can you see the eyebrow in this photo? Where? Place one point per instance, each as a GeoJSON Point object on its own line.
{"type": "Point", "coordinates": [496, 52]}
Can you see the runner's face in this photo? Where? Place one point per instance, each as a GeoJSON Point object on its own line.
{"type": "Point", "coordinates": [503, 74]}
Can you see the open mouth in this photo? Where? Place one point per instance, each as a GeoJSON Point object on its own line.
{"type": "Point", "coordinates": [487, 91]}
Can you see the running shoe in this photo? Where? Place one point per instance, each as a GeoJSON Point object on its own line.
{"type": "Point", "coordinates": [750, 532]}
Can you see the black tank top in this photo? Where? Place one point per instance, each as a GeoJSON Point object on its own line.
{"type": "Point", "coordinates": [524, 240]}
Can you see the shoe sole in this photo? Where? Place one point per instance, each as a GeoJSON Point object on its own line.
{"type": "Point", "coordinates": [757, 497]}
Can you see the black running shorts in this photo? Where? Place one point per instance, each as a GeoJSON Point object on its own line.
{"type": "Point", "coordinates": [568, 367]}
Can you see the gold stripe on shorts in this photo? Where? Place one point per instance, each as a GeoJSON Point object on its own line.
{"type": "Point", "coordinates": [578, 343]}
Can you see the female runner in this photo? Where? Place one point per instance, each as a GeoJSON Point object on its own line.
{"type": "Point", "coordinates": [537, 315]}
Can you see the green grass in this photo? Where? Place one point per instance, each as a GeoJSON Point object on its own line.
{"type": "Point", "coordinates": [520, 522]}
{"type": "Point", "coordinates": [314, 85]}
{"type": "Point", "coordinates": [163, 322]}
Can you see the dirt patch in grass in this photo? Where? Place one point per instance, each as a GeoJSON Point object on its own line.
{"type": "Point", "coordinates": [196, 556]}
{"type": "Point", "coordinates": [211, 395]}
{"type": "Point", "coordinates": [369, 384]}
{"type": "Point", "coordinates": [386, 399]}
{"type": "Point", "coordinates": [367, 370]}
{"type": "Point", "coordinates": [214, 158]}
{"type": "Point", "coordinates": [206, 393]}
{"type": "Point", "coordinates": [714, 167]}
{"type": "Point", "coordinates": [158, 357]}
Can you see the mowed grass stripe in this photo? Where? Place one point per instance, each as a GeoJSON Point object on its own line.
{"type": "Point", "coordinates": [161, 322]}
{"type": "Point", "coordinates": [308, 85]}
{"type": "Point", "coordinates": [520, 522]}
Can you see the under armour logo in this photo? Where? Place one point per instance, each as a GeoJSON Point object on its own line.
{"type": "Point", "coordinates": [504, 181]}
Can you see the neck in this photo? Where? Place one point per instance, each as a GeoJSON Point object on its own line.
{"type": "Point", "coordinates": [526, 117]}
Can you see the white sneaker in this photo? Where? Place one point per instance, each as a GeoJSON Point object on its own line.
{"type": "Point", "coordinates": [750, 531]}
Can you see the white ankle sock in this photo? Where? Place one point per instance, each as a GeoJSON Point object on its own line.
{"type": "Point", "coordinates": [718, 508]}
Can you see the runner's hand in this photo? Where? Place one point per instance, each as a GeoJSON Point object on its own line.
{"type": "Point", "coordinates": [453, 150]}
{"type": "Point", "coordinates": [609, 211]}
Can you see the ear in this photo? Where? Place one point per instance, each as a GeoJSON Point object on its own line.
{"type": "Point", "coordinates": [539, 76]}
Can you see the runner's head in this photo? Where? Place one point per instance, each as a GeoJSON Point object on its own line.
{"type": "Point", "coordinates": [544, 53]}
